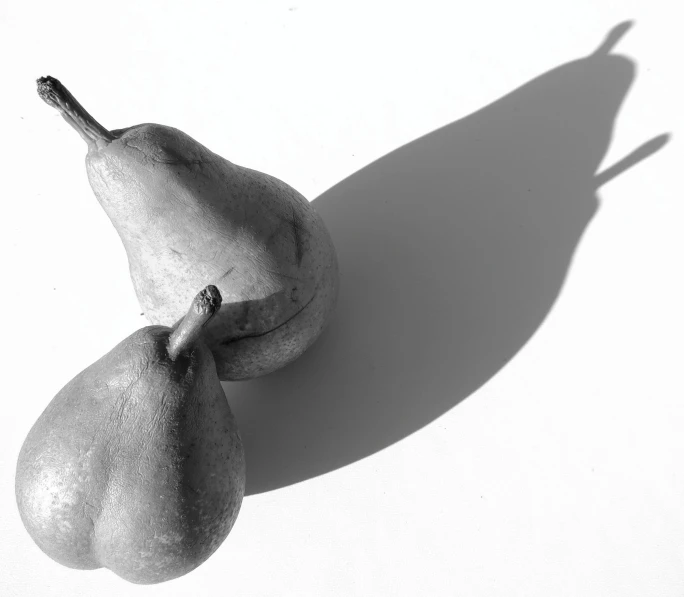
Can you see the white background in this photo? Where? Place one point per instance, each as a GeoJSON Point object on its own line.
{"type": "Point", "coordinates": [497, 407]}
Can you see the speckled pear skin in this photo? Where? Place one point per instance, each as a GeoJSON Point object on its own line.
{"type": "Point", "coordinates": [136, 465]}
{"type": "Point", "coordinates": [188, 217]}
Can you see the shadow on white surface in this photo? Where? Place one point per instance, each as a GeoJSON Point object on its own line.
{"type": "Point", "coordinates": [452, 249]}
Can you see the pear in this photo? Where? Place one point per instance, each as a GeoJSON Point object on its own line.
{"type": "Point", "coordinates": [137, 464]}
{"type": "Point", "coordinates": [188, 218]}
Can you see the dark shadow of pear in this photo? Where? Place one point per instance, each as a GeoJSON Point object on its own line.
{"type": "Point", "coordinates": [453, 250]}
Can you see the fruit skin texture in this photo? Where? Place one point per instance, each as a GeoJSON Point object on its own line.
{"type": "Point", "coordinates": [188, 217]}
{"type": "Point", "coordinates": [136, 465]}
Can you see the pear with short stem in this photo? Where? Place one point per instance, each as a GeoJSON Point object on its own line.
{"type": "Point", "coordinates": [188, 218]}
{"type": "Point", "coordinates": [137, 464]}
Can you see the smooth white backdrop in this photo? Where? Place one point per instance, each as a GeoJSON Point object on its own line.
{"type": "Point", "coordinates": [496, 408]}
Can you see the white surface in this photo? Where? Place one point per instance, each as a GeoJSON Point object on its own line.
{"type": "Point", "coordinates": [497, 407]}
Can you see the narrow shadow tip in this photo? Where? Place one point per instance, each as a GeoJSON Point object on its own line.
{"type": "Point", "coordinates": [614, 36]}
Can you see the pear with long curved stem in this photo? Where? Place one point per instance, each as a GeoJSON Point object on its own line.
{"type": "Point", "coordinates": [188, 217]}
{"type": "Point", "coordinates": [137, 464]}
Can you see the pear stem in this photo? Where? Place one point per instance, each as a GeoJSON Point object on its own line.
{"type": "Point", "coordinates": [54, 94]}
{"type": "Point", "coordinates": [204, 306]}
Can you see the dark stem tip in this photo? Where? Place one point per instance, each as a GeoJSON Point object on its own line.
{"type": "Point", "coordinates": [208, 301]}
{"type": "Point", "coordinates": [49, 89]}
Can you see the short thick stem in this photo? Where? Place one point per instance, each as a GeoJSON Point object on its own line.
{"type": "Point", "coordinates": [54, 94]}
{"type": "Point", "coordinates": [204, 306]}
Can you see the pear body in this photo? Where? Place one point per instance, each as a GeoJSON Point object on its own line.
{"type": "Point", "coordinates": [136, 465]}
{"type": "Point", "coordinates": [188, 217]}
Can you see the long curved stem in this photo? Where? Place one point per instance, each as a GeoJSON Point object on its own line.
{"type": "Point", "coordinates": [54, 94]}
{"type": "Point", "coordinates": [204, 306]}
